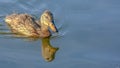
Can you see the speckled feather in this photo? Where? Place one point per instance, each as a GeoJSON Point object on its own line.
{"type": "Point", "coordinates": [23, 23]}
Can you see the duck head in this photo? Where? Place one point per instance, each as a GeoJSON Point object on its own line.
{"type": "Point", "coordinates": [48, 21]}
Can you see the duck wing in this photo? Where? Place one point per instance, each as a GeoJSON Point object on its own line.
{"type": "Point", "coordinates": [24, 24]}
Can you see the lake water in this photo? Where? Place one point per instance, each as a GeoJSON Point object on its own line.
{"type": "Point", "coordinates": [89, 35]}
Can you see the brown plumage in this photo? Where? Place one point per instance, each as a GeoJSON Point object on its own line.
{"type": "Point", "coordinates": [25, 24]}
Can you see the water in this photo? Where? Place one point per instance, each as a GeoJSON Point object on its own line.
{"type": "Point", "coordinates": [88, 34]}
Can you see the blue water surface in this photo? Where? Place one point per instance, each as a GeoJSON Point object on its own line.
{"type": "Point", "coordinates": [89, 35]}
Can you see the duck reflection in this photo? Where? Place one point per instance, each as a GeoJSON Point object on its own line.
{"type": "Point", "coordinates": [48, 51]}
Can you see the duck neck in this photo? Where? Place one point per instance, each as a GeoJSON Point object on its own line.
{"type": "Point", "coordinates": [44, 30]}
{"type": "Point", "coordinates": [44, 27]}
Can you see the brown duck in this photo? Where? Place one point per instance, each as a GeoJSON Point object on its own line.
{"type": "Point", "coordinates": [27, 25]}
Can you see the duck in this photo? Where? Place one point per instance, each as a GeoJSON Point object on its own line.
{"type": "Point", "coordinates": [27, 25]}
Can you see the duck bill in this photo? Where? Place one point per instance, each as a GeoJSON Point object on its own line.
{"type": "Point", "coordinates": [53, 27]}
